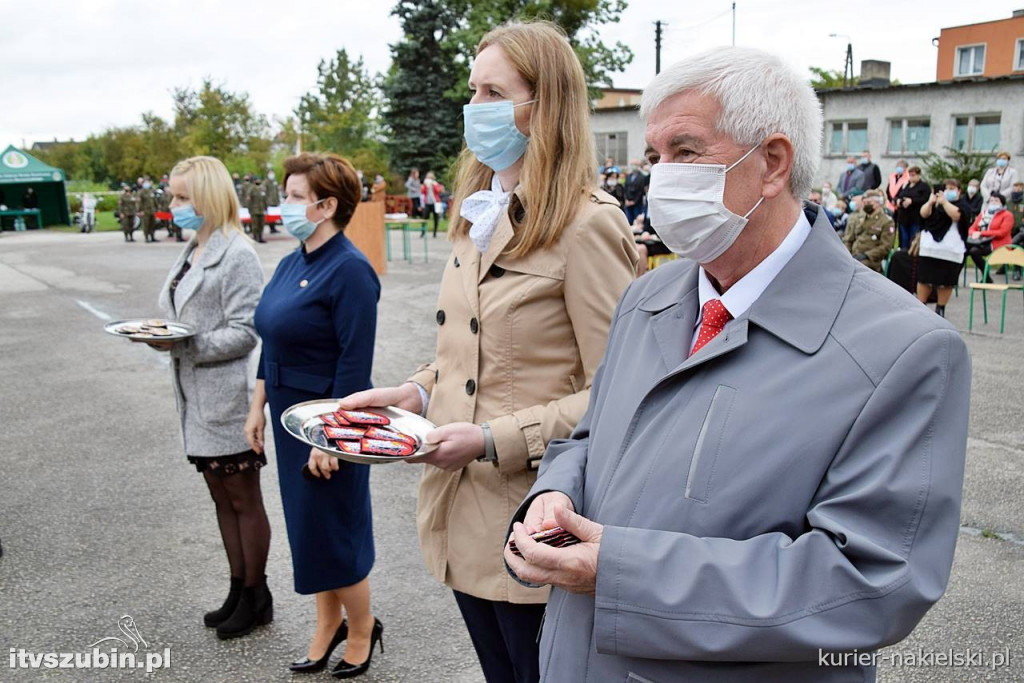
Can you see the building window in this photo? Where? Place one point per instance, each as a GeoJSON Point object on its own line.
{"type": "Point", "coordinates": [848, 137]}
{"type": "Point", "coordinates": [970, 60]}
{"type": "Point", "coordinates": [611, 145]}
{"type": "Point", "coordinates": [976, 133]}
{"type": "Point", "coordinates": [909, 136]}
{"type": "Point", "coordinates": [1018, 56]}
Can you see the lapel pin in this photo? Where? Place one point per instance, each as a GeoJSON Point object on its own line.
{"type": "Point", "coordinates": [303, 283]}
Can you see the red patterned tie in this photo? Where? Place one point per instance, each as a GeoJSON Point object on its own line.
{"type": "Point", "coordinates": [712, 322]}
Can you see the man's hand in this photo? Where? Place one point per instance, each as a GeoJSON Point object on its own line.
{"type": "Point", "coordinates": [405, 396]}
{"type": "Point", "coordinates": [573, 568]}
{"type": "Point", "coordinates": [541, 513]}
{"type": "Point", "coordinates": [459, 444]}
{"type": "Point", "coordinates": [158, 344]}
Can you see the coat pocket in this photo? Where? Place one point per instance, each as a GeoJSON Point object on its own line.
{"type": "Point", "coordinates": [709, 443]}
{"type": "Point", "coordinates": [222, 390]}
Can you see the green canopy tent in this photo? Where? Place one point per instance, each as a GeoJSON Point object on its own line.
{"type": "Point", "coordinates": [20, 171]}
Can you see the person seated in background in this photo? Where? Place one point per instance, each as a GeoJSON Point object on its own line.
{"type": "Point", "coordinates": [647, 243]}
{"type": "Point", "coordinates": [870, 233]}
{"type": "Point", "coordinates": [828, 197]}
{"type": "Point", "coordinates": [909, 200]}
{"type": "Point", "coordinates": [841, 214]}
{"type": "Point", "coordinates": [815, 198]}
{"type": "Point", "coordinates": [613, 187]}
{"type": "Point", "coordinates": [989, 231]}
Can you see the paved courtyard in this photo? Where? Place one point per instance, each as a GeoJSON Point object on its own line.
{"type": "Point", "coordinates": [101, 517]}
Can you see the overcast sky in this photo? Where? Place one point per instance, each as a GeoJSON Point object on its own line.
{"type": "Point", "coordinates": [69, 68]}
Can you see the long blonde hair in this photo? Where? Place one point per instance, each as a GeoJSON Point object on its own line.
{"type": "Point", "coordinates": [559, 164]}
{"type": "Point", "coordinates": [212, 191]}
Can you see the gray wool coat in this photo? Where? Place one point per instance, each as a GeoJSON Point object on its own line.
{"type": "Point", "coordinates": [210, 371]}
{"type": "Point", "coordinates": [793, 487]}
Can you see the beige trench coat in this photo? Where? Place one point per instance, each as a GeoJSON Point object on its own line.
{"type": "Point", "coordinates": [519, 341]}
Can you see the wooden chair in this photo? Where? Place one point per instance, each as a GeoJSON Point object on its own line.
{"type": "Point", "coordinates": [1003, 256]}
{"type": "Point", "coordinates": [655, 261]}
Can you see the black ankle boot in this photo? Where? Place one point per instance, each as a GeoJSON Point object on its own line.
{"type": "Point", "coordinates": [255, 608]}
{"type": "Point", "coordinates": [219, 616]}
{"type": "Point", "coordinates": [346, 670]}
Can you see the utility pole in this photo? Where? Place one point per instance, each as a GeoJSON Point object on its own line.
{"type": "Point", "coordinates": [734, 24]}
{"type": "Point", "coordinates": [657, 46]}
{"type": "Point", "coordinates": [848, 68]}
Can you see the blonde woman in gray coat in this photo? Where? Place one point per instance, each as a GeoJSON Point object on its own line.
{"type": "Point", "coordinates": [215, 286]}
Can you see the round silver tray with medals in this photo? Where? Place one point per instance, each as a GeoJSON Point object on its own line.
{"type": "Point", "coordinates": [150, 329]}
{"type": "Point", "coordinates": [302, 421]}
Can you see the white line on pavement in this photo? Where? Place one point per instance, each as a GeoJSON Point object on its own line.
{"type": "Point", "coordinates": [95, 311]}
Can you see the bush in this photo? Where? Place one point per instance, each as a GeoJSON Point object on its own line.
{"type": "Point", "coordinates": [963, 166]}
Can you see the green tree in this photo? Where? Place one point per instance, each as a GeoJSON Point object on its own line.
{"type": "Point", "coordinates": [824, 79]}
{"type": "Point", "coordinates": [217, 122]}
{"type": "Point", "coordinates": [340, 115]}
{"type": "Point", "coordinates": [958, 164]}
{"type": "Point", "coordinates": [422, 114]}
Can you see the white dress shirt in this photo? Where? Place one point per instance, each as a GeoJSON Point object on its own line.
{"type": "Point", "coordinates": [742, 295]}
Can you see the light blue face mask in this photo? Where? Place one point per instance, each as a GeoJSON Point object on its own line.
{"type": "Point", "coordinates": [185, 217]}
{"type": "Point", "coordinates": [899, 170]}
{"type": "Point", "coordinates": [295, 222]}
{"type": "Point", "coordinates": [491, 133]}
{"type": "Point", "coordinates": [1000, 162]}
{"type": "Point", "coordinates": [951, 195]}
{"type": "Point", "coordinates": [850, 167]}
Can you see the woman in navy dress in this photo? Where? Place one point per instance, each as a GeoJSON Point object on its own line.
{"type": "Point", "coordinates": [317, 319]}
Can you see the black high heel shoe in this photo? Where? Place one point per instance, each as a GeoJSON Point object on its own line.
{"type": "Point", "coordinates": [309, 666]}
{"type": "Point", "coordinates": [346, 670]}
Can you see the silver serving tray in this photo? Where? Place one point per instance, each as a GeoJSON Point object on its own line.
{"type": "Point", "coordinates": [302, 421]}
{"type": "Point", "coordinates": [178, 330]}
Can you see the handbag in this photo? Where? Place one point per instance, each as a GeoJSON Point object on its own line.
{"type": "Point", "coordinates": [979, 241]}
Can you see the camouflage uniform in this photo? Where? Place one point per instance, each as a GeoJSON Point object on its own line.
{"type": "Point", "coordinates": [147, 207]}
{"type": "Point", "coordinates": [257, 203]}
{"type": "Point", "coordinates": [126, 209]}
{"type": "Point", "coordinates": [869, 237]}
{"type": "Point", "coordinates": [273, 196]}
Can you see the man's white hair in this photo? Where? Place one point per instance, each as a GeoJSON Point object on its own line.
{"type": "Point", "coordinates": [759, 95]}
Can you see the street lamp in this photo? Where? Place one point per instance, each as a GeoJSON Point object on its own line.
{"type": "Point", "coordinates": [848, 67]}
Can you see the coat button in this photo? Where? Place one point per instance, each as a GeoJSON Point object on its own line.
{"type": "Point", "coordinates": [440, 317]}
{"type": "Point", "coordinates": [497, 271]}
{"type": "Point", "coordinates": [474, 326]}
{"type": "Point", "coordinates": [470, 387]}
{"type": "Point", "coordinates": [456, 261]}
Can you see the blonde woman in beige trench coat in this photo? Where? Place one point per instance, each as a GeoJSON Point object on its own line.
{"type": "Point", "coordinates": [540, 257]}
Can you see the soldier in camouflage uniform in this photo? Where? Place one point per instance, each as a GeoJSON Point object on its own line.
{"type": "Point", "coordinates": [243, 195]}
{"type": "Point", "coordinates": [147, 207]}
{"type": "Point", "coordinates": [257, 202]}
{"type": "Point", "coordinates": [126, 210]}
{"type": "Point", "coordinates": [272, 194]}
{"type": "Point", "coordinates": [870, 233]}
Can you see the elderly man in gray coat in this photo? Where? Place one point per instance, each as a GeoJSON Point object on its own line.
{"type": "Point", "coordinates": [770, 469]}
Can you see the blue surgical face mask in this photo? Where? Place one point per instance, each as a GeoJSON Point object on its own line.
{"type": "Point", "coordinates": [1000, 162]}
{"type": "Point", "coordinates": [951, 195]}
{"type": "Point", "coordinates": [850, 167]}
{"type": "Point", "coordinates": [147, 185]}
{"type": "Point", "coordinates": [865, 161]}
{"type": "Point", "coordinates": [295, 222]}
{"type": "Point", "coordinates": [491, 133]}
{"type": "Point", "coordinates": [992, 208]}
{"type": "Point", "coordinates": [185, 217]}
{"type": "Point", "coordinates": [899, 170]}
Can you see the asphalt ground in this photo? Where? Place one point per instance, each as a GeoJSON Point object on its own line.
{"type": "Point", "coordinates": [101, 516]}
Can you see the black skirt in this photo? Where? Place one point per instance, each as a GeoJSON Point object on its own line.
{"type": "Point", "coordinates": [226, 465]}
{"type": "Point", "coordinates": [936, 272]}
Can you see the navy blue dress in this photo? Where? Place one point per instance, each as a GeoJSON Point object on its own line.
{"type": "Point", "coordinates": [318, 320]}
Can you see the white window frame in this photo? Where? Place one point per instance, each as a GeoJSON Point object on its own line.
{"type": "Point", "coordinates": [971, 47]}
{"type": "Point", "coordinates": [1018, 55]}
{"type": "Point", "coordinates": [971, 122]}
{"type": "Point", "coordinates": [904, 122]}
{"type": "Point", "coordinates": [845, 126]}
